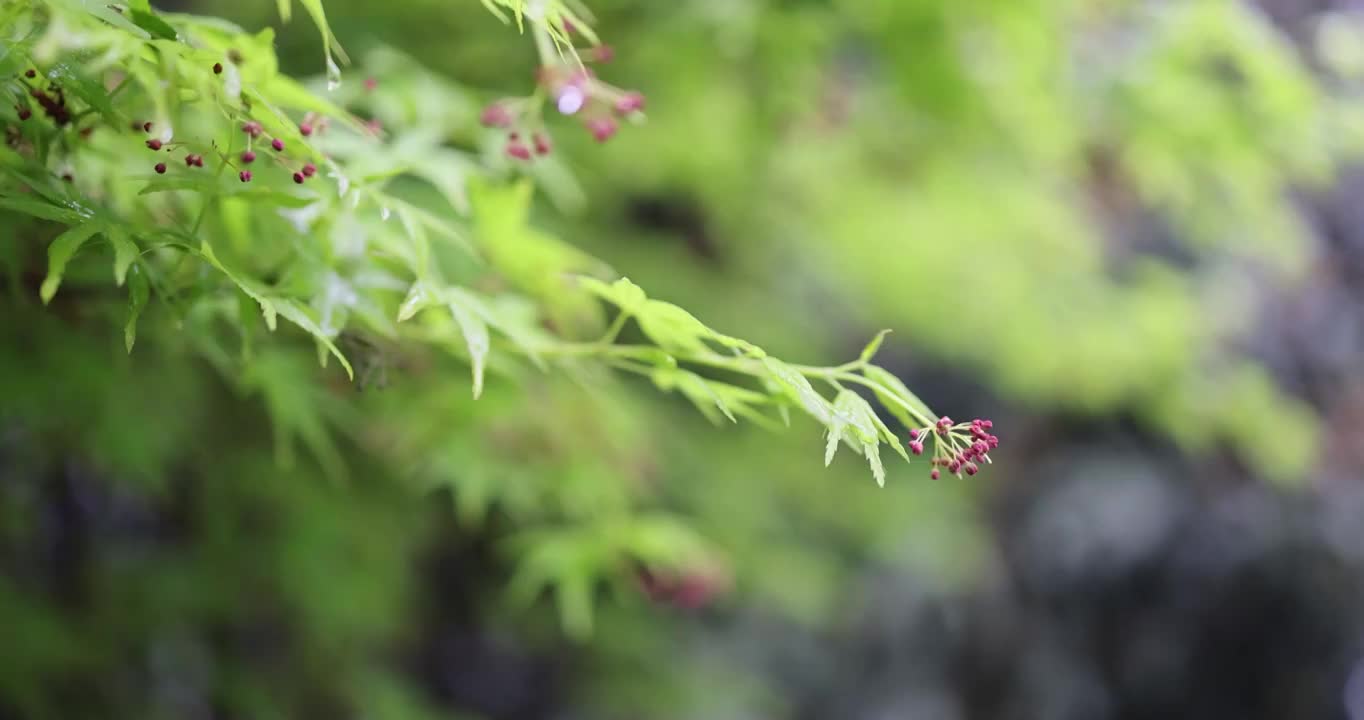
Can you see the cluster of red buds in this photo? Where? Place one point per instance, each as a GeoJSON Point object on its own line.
{"type": "Point", "coordinates": [253, 130]}
{"type": "Point", "coordinates": [52, 100]}
{"type": "Point", "coordinates": [959, 447]}
{"type": "Point", "coordinates": [574, 90]}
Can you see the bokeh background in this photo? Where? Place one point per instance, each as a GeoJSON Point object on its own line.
{"type": "Point", "coordinates": [1130, 232]}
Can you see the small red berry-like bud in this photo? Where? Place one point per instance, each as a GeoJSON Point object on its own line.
{"type": "Point", "coordinates": [972, 468]}
{"type": "Point", "coordinates": [370, 84]}
{"type": "Point", "coordinates": [277, 144]}
{"type": "Point", "coordinates": [994, 441]}
{"type": "Point", "coordinates": [217, 68]}
{"type": "Point", "coordinates": [299, 178]}
{"type": "Point", "coordinates": [305, 129]}
{"type": "Point", "coordinates": [252, 128]}
{"type": "Point", "coordinates": [248, 157]}
{"type": "Point", "coordinates": [916, 447]}
{"type": "Point", "coordinates": [495, 115]}
{"type": "Point", "coordinates": [518, 150]}
{"type": "Point", "coordinates": [146, 127]}
{"type": "Point", "coordinates": [603, 53]}
{"type": "Point", "coordinates": [244, 175]}
{"type": "Point", "coordinates": [602, 128]}
{"type": "Point", "coordinates": [913, 434]}
{"type": "Point", "coordinates": [154, 144]}
{"type": "Point", "coordinates": [542, 146]}
{"type": "Point", "coordinates": [24, 114]}
{"type": "Point", "coordinates": [954, 467]}
{"type": "Point", "coordinates": [630, 102]}
{"type": "Point", "coordinates": [934, 475]}
{"type": "Point", "coordinates": [30, 73]}
{"type": "Point", "coordinates": [160, 168]}
{"type": "Point", "coordinates": [309, 169]}
{"type": "Point", "coordinates": [189, 160]}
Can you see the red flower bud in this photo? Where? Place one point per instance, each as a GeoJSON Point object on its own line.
{"type": "Point", "coordinates": [602, 128]}
{"type": "Point", "coordinates": [495, 115]}
{"type": "Point", "coordinates": [603, 53]}
{"type": "Point", "coordinates": [629, 103]}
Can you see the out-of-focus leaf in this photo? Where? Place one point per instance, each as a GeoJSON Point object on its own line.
{"type": "Point", "coordinates": [627, 296]}
{"type": "Point", "coordinates": [154, 25]}
{"type": "Point", "coordinates": [267, 305]}
{"type": "Point", "coordinates": [329, 44]}
{"type": "Point", "coordinates": [285, 92]}
{"type": "Point", "coordinates": [60, 252]}
{"type": "Point", "coordinates": [875, 345]}
{"type": "Point", "coordinates": [125, 251]}
{"type": "Point", "coordinates": [463, 307]}
{"type": "Point", "coordinates": [671, 327]}
{"type": "Point", "coordinates": [139, 291]}
{"type": "Point", "coordinates": [419, 297]}
{"type": "Point", "coordinates": [296, 314]}
{"type": "Point", "coordinates": [92, 93]}
{"type": "Point", "coordinates": [45, 211]}
{"type": "Point", "coordinates": [696, 389]}
{"type": "Point", "coordinates": [103, 11]}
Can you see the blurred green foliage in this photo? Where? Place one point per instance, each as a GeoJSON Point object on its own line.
{"type": "Point", "coordinates": [1062, 201]}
